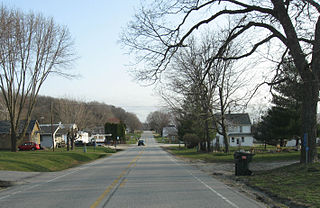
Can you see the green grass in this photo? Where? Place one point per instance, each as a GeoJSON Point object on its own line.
{"type": "Point", "coordinates": [223, 157]}
{"type": "Point", "coordinates": [162, 140]}
{"type": "Point", "coordinates": [165, 140]}
{"type": "Point", "coordinates": [48, 161]}
{"type": "Point", "coordinates": [132, 138]}
{"type": "Point", "coordinates": [298, 183]}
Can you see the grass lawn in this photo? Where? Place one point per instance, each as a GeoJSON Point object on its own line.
{"type": "Point", "coordinates": [162, 140]}
{"type": "Point", "coordinates": [132, 138]}
{"type": "Point", "coordinates": [298, 183]}
{"type": "Point", "coordinates": [223, 157]}
{"type": "Point", "coordinates": [165, 140]}
{"type": "Point", "coordinates": [47, 161]}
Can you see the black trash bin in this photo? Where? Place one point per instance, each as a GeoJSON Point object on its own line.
{"type": "Point", "coordinates": [242, 160]}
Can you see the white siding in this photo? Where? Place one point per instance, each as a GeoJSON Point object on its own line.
{"type": "Point", "coordinates": [246, 129]}
{"type": "Point", "coordinates": [83, 136]}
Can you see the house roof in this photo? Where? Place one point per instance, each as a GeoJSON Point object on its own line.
{"type": "Point", "coordinates": [5, 126]}
{"type": "Point", "coordinates": [238, 118]}
{"type": "Point", "coordinates": [46, 129]}
{"type": "Point", "coordinates": [63, 128]}
{"type": "Point", "coordinates": [113, 120]}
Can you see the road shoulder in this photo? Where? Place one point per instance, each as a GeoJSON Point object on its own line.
{"type": "Point", "coordinates": [224, 172]}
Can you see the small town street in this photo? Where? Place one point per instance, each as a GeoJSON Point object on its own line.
{"type": "Point", "coordinates": [137, 177]}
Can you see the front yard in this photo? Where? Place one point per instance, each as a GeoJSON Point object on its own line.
{"type": "Point", "coordinates": [47, 161]}
{"type": "Point", "coordinates": [223, 157]}
{"type": "Point", "coordinates": [297, 183]}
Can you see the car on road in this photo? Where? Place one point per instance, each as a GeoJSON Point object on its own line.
{"type": "Point", "coordinates": [140, 142]}
{"type": "Point", "coordinates": [29, 146]}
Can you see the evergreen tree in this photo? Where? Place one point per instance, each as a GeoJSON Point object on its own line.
{"type": "Point", "coordinates": [283, 121]}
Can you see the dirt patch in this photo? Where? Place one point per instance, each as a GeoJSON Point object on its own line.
{"type": "Point", "coordinates": [6, 184]}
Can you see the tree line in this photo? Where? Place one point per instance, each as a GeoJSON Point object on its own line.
{"type": "Point", "coordinates": [86, 115]}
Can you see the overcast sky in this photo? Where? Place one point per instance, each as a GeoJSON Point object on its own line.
{"type": "Point", "coordinates": [95, 26]}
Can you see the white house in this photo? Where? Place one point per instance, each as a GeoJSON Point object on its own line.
{"type": "Point", "coordinates": [99, 138]}
{"type": "Point", "coordinates": [293, 142]}
{"type": "Point", "coordinates": [238, 130]}
{"type": "Point", "coordinates": [83, 137]}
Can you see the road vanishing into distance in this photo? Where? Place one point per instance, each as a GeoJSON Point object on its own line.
{"type": "Point", "coordinates": [137, 177]}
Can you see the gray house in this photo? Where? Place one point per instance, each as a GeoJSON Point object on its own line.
{"type": "Point", "coordinates": [171, 132]}
{"type": "Point", "coordinates": [59, 131]}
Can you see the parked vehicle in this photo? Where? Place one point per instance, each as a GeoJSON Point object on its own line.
{"type": "Point", "coordinates": [29, 146]}
{"type": "Point", "coordinates": [140, 142]}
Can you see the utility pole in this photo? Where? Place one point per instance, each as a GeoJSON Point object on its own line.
{"type": "Point", "coordinates": [51, 118]}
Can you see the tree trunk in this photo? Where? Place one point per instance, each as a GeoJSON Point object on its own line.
{"type": "Point", "coordinates": [225, 135]}
{"type": "Point", "coordinates": [203, 145]}
{"type": "Point", "coordinates": [226, 142]}
{"type": "Point", "coordinates": [13, 141]}
{"type": "Point", "coordinates": [72, 143]}
{"type": "Point", "coordinates": [309, 122]}
{"type": "Point", "coordinates": [68, 142]}
{"type": "Point", "coordinates": [207, 136]}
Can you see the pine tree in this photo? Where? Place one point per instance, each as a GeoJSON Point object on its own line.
{"type": "Point", "coordinates": [283, 121]}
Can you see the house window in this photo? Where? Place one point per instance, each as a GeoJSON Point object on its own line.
{"type": "Point", "coordinates": [242, 139]}
{"type": "Point", "coordinates": [241, 129]}
{"type": "Point", "coordinates": [232, 139]}
{"type": "Point", "coordinates": [237, 141]}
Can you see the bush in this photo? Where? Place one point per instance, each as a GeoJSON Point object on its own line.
{"type": "Point", "coordinates": [191, 140]}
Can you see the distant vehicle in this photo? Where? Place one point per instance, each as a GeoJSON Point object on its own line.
{"type": "Point", "coordinates": [29, 146]}
{"type": "Point", "coordinates": [140, 142]}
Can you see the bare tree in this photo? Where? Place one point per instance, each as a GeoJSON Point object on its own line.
{"type": "Point", "coordinates": [275, 27]}
{"type": "Point", "coordinates": [99, 114]}
{"type": "Point", "coordinates": [191, 89]}
{"type": "Point", "coordinates": [157, 120]}
{"type": "Point", "coordinates": [72, 111]}
{"type": "Point", "coordinates": [133, 122]}
{"type": "Point", "coordinates": [31, 48]}
{"type": "Point", "coordinates": [214, 91]}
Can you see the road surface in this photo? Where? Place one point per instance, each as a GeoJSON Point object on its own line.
{"type": "Point", "coordinates": [138, 177]}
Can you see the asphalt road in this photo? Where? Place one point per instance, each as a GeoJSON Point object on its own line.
{"type": "Point", "coordinates": [138, 177]}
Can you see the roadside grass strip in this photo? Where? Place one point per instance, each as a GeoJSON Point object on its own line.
{"type": "Point", "coordinates": [48, 161]}
{"type": "Point", "coordinates": [118, 182]}
{"type": "Point", "coordinates": [298, 183]}
{"type": "Point", "coordinates": [228, 157]}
